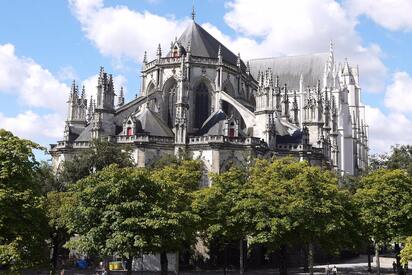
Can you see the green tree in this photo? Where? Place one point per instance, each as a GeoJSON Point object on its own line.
{"type": "Point", "coordinates": [400, 157]}
{"type": "Point", "coordinates": [406, 253]}
{"type": "Point", "coordinates": [225, 209]}
{"type": "Point", "coordinates": [299, 204]}
{"type": "Point", "coordinates": [58, 232]}
{"type": "Point", "coordinates": [384, 201]}
{"type": "Point", "coordinates": [177, 222]}
{"type": "Point", "coordinates": [100, 155]}
{"type": "Point", "coordinates": [22, 219]}
{"type": "Point", "coordinates": [116, 211]}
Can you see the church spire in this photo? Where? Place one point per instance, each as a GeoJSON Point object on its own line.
{"type": "Point", "coordinates": [331, 59]}
{"type": "Point", "coordinates": [193, 11]}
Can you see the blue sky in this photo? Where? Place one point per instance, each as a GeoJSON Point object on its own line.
{"type": "Point", "coordinates": [46, 44]}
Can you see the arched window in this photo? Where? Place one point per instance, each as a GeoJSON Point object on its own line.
{"type": "Point", "coordinates": [171, 110]}
{"type": "Point", "coordinates": [202, 104]}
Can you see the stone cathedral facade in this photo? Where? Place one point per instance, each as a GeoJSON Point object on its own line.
{"type": "Point", "coordinates": [200, 99]}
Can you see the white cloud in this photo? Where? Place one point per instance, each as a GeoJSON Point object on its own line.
{"type": "Point", "coordinates": [121, 32]}
{"type": "Point", "coordinates": [398, 96]}
{"type": "Point", "coordinates": [67, 73]}
{"type": "Point", "coordinates": [394, 15]}
{"type": "Point", "coordinates": [33, 126]}
{"type": "Point", "coordinates": [304, 26]}
{"type": "Point", "coordinates": [33, 85]}
{"type": "Point", "coordinates": [263, 28]}
{"type": "Point", "coordinates": [386, 130]}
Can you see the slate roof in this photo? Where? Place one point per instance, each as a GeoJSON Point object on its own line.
{"type": "Point", "coordinates": [126, 110]}
{"type": "Point", "coordinates": [203, 44]}
{"type": "Point", "coordinates": [296, 138]}
{"type": "Point", "coordinates": [290, 68]}
{"type": "Point", "coordinates": [213, 124]}
{"type": "Point", "coordinates": [152, 124]}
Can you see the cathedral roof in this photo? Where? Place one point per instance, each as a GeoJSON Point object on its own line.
{"type": "Point", "coordinates": [290, 68]}
{"type": "Point", "coordinates": [152, 124]}
{"type": "Point", "coordinates": [203, 44]}
{"type": "Point", "coordinates": [213, 124]}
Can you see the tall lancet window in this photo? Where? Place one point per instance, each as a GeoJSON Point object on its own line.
{"type": "Point", "coordinates": [202, 104]}
{"type": "Point", "coordinates": [171, 113]}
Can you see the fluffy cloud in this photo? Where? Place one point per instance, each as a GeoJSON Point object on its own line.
{"type": "Point", "coordinates": [33, 126]}
{"type": "Point", "coordinates": [33, 85]}
{"type": "Point", "coordinates": [278, 28]}
{"type": "Point", "coordinates": [386, 130]}
{"type": "Point", "coordinates": [398, 96]}
{"type": "Point", "coordinates": [121, 32]}
{"type": "Point", "coordinates": [394, 15]}
{"type": "Point", "coordinates": [305, 26]}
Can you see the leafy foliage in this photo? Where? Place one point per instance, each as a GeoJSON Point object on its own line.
{"type": "Point", "coordinates": [301, 204]}
{"type": "Point", "coordinates": [384, 202]}
{"type": "Point", "coordinates": [22, 233]}
{"type": "Point", "coordinates": [222, 206]}
{"type": "Point", "coordinates": [406, 253]}
{"type": "Point", "coordinates": [100, 155]}
{"type": "Point", "coordinates": [127, 211]}
{"type": "Point", "coordinates": [399, 158]}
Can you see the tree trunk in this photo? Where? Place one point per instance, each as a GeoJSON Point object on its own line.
{"type": "Point", "coordinates": [241, 258]}
{"type": "Point", "coordinates": [225, 259]}
{"type": "Point", "coordinates": [399, 269]}
{"type": "Point", "coordinates": [177, 266]}
{"type": "Point", "coordinates": [378, 265]}
{"type": "Point", "coordinates": [283, 267]}
{"type": "Point", "coordinates": [55, 255]}
{"type": "Point", "coordinates": [129, 262]}
{"type": "Point", "coordinates": [310, 258]}
{"type": "Point", "coordinates": [163, 263]}
{"type": "Point", "coordinates": [369, 258]}
{"type": "Point", "coordinates": [306, 262]}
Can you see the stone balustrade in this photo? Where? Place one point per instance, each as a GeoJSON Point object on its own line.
{"type": "Point", "coordinates": [225, 139]}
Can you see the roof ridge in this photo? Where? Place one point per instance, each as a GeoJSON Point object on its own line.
{"type": "Point", "coordinates": [286, 56]}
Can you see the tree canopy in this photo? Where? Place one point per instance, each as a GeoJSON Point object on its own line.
{"type": "Point", "coordinates": [100, 155]}
{"type": "Point", "coordinates": [384, 201]}
{"type": "Point", "coordinates": [22, 219]}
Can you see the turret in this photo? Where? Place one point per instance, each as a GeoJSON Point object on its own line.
{"type": "Point", "coordinates": [278, 105]}
{"type": "Point", "coordinates": [76, 106]}
{"type": "Point", "coordinates": [159, 52]}
{"type": "Point", "coordinates": [285, 102]}
{"type": "Point", "coordinates": [238, 61]}
{"type": "Point", "coordinates": [248, 68]}
{"type": "Point", "coordinates": [120, 99]}
{"type": "Point", "coordinates": [295, 109]}
{"type": "Point", "coordinates": [72, 102]}
{"type": "Point", "coordinates": [145, 58]}
{"type": "Point", "coordinates": [105, 92]}
{"type": "Point", "coordinates": [90, 110]}
{"type": "Point", "coordinates": [219, 55]}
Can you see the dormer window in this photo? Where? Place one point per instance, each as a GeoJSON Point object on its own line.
{"type": "Point", "coordinates": [175, 52]}
{"type": "Point", "coordinates": [232, 129]}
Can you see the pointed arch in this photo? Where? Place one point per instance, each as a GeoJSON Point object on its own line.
{"type": "Point", "coordinates": [200, 80]}
{"type": "Point", "coordinates": [150, 88]}
{"type": "Point", "coordinates": [169, 101]}
{"type": "Point", "coordinates": [228, 88]}
{"type": "Point", "coordinates": [202, 104]}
